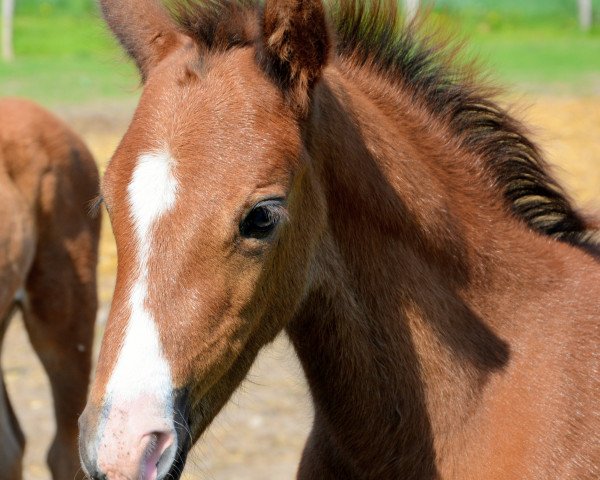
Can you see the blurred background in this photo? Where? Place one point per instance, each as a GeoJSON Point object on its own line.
{"type": "Point", "coordinates": [546, 53]}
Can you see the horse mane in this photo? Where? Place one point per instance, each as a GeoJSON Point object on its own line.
{"type": "Point", "coordinates": [374, 34]}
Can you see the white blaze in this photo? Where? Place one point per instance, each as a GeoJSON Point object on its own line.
{"type": "Point", "coordinates": [141, 368]}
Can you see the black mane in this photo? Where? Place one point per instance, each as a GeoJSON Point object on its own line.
{"type": "Point", "coordinates": [373, 33]}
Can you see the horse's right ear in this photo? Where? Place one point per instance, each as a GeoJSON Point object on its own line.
{"type": "Point", "coordinates": [144, 28]}
{"type": "Point", "coordinates": [296, 44]}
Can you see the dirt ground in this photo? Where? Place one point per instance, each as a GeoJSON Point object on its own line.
{"type": "Point", "coordinates": [261, 432]}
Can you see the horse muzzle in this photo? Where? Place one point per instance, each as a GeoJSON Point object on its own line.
{"type": "Point", "coordinates": [136, 439]}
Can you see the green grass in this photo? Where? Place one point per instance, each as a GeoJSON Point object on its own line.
{"type": "Point", "coordinates": [66, 59]}
{"type": "Point", "coordinates": [541, 56]}
{"type": "Point", "coordinates": [53, 7]}
{"type": "Point", "coordinates": [535, 55]}
{"type": "Point", "coordinates": [66, 56]}
{"type": "Point", "coordinates": [524, 10]}
{"type": "Point", "coordinates": [533, 44]}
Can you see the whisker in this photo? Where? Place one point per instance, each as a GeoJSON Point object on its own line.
{"type": "Point", "coordinates": [93, 206]}
{"type": "Point", "coordinates": [186, 429]}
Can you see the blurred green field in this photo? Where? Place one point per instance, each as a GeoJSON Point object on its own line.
{"type": "Point", "coordinates": [533, 44]}
{"type": "Point", "coordinates": [64, 54]}
{"type": "Point", "coordinates": [511, 9]}
{"type": "Point", "coordinates": [64, 58]}
{"type": "Point", "coordinates": [541, 57]}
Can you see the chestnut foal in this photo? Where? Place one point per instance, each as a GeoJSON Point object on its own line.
{"type": "Point", "coordinates": [48, 252]}
{"type": "Point", "coordinates": [326, 172]}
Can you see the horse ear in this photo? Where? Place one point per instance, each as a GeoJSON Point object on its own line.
{"type": "Point", "coordinates": [144, 29]}
{"type": "Point", "coordinates": [296, 44]}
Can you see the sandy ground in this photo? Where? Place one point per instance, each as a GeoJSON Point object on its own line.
{"type": "Point", "coordinates": [261, 432]}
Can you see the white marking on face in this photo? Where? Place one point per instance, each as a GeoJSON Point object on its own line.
{"type": "Point", "coordinates": [141, 368]}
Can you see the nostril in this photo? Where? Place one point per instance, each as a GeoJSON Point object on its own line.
{"type": "Point", "coordinates": [156, 444]}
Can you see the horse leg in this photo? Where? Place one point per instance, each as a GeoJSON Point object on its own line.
{"type": "Point", "coordinates": [60, 319]}
{"type": "Point", "coordinates": [17, 247]}
{"type": "Point", "coordinates": [12, 440]}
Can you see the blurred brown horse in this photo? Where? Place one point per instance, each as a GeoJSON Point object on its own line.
{"type": "Point", "coordinates": [328, 172]}
{"type": "Point", "coordinates": [48, 254]}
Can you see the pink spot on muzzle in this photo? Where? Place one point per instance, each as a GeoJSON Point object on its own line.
{"type": "Point", "coordinates": [137, 442]}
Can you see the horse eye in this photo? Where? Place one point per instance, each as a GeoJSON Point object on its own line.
{"type": "Point", "coordinates": [262, 219]}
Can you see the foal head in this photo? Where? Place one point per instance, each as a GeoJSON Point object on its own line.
{"type": "Point", "coordinates": [216, 214]}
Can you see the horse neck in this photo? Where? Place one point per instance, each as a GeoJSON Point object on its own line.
{"type": "Point", "coordinates": [398, 336]}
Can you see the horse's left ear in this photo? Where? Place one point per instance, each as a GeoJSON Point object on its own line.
{"type": "Point", "coordinates": [296, 44]}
